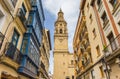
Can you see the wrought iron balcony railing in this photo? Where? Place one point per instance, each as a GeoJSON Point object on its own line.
{"type": "Point", "coordinates": [1, 39]}
{"type": "Point", "coordinates": [13, 53]}
{"type": "Point", "coordinates": [87, 63]}
{"type": "Point", "coordinates": [21, 15]}
{"type": "Point", "coordinates": [42, 66]}
{"type": "Point", "coordinates": [113, 46]}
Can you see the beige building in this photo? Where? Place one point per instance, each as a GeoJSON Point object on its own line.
{"type": "Point", "coordinates": [63, 60]}
{"type": "Point", "coordinates": [11, 23]}
{"type": "Point", "coordinates": [101, 19]}
{"type": "Point", "coordinates": [45, 54]}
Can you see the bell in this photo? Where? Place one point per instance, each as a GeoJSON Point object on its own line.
{"type": "Point", "coordinates": [117, 60]}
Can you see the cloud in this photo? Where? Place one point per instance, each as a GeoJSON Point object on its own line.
{"type": "Point", "coordinates": [71, 11]}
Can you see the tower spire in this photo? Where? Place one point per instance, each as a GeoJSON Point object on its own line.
{"type": "Point", "coordinates": [60, 10]}
{"type": "Point", "coordinates": [60, 16]}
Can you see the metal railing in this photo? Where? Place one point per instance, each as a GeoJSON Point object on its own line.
{"type": "Point", "coordinates": [113, 46]}
{"type": "Point", "coordinates": [21, 15]}
{"type": "Point", "coordinates": [87, 63]}
{"type": "Point", "coordinates": [13, 53]}
{"type": "Point", "coordinates": [1, 39]}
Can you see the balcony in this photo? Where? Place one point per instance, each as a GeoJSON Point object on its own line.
{"type": "Point", "coordinates": [43, 69]}
{"type": "Point", "coordinates": [12, 56]}
{"type": "Point", "coordinates": [87, 64]}
{"type": "Point", "coordinates": [105, 23]}
{"type": "Point", "coordinates": [13, 53]}
{"type": "Point", "coordinates": [86, 34]}
{"type": "Point", "coordinates": [88, 47]}
{"type": "Point", "coordinates": [83, 21]}
{"type": "Point", "coordinates": [1, 39]}
{"type": "Point", "coordinates": [113, 48]}
{"type": "Point", "coordinates": [42, 65]}
{"type": "Point", "coordinates": [22, 17]}
{"type": "Point", "coordinates": [83, 41]}
{"type": "Point", "coordinates": [33, 2]}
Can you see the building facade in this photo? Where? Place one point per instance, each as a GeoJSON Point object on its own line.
{"type": "Point", "coordinates": [21, 25]}
{"type": "Point", "coordinates": [45, 54]}
{"type": "Point", "coordinates": [63, 60]}
{"type": "Point", "coordinates": [100, 17]}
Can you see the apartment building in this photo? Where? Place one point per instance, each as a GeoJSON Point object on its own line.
{"type": "Point", "coordinates": [45, 54]}
{"type": "Point", "coordinates": [14, 15]}
{"type": "Point", "coordinates": [21, 26]}
{"type": "Point", "coordinates": [102, 22]}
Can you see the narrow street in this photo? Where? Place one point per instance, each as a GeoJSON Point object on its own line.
{"type": "Point", "coordinates": [59, 39]}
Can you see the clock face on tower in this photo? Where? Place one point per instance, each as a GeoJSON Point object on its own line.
{"type": "Point", "coordinates": [60, 39]}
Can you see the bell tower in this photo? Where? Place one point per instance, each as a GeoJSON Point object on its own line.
{"type": "Point", "coordinates": [60, 47]}
{"type": "Point", "coordinates": [60, 33]}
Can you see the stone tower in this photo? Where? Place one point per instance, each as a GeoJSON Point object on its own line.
{"type": "Point", "coordinates": [62, 57]}
{"type": "Point", "coordinates": [61, 34]}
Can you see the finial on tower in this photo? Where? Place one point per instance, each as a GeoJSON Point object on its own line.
{"type": "Point", "coordinates": [60, 10]}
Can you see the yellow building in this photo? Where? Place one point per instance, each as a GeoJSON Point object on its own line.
{"type": "Point", "coordinates": [63, 60]}
{"type": "Point", "coordinates": [12, 28]}
{"type": "Point", "coordinates": [45, 54]}
{"type": "Point", "coordinates": [101, 19]}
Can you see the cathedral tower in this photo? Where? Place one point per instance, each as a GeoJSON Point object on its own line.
{"type": "Point", "coordinates": [62, 57]}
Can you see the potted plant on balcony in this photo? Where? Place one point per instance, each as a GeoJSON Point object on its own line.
{"type": "Point", "coordinates": [105, 49]}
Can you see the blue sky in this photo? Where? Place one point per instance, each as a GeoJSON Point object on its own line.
{"type": "Point", "coordinates": [71, 12]}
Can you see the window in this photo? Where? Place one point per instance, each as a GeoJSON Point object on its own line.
{"type": "Point", "coordinates": [93, 74]}
{"type": "Point", "coordinates": [99, 2]}
{"type": "Point", "coordinates": [104, 18]}
{"type": "Point", "coordinates": [119, 23]}
{"type": "Point", "coordinates": [67, 78]}
{"type": "Point", "coordinates": [24, 45]}
{"type": "Point", "coordinates": [15, 38]}
{"type": "Point", "coordinates": [33, 52]}
{"type": "Point", "coordinates": [91, 19]}
{"type": "Point", "coordinates": [38, 31]}
{"type": "Point", "coordinates": [30, 66]}
{"type": "Point", "coordinates": [14, 2]}
{"type": "Point", "coordinates": [113, 3]}
{"type": "Point", "coordinates": [72, 77]}
{"type": "Point", "coordinates": [1, 14]}
{"type": "Point", "coordinates": [24, 9]}
{"type": "Point", "coordinates": [30, 19]}
{"type": "Point", "coordinates": [88, 6]}
{"type": "Point", "coordinates": [60, 30]}
{"type": "Point", "coordinates": [71, 62]}
{"type": "Point", "coordinates": [98, 50]}
{"type": "Point", "coordinates": [112, 41]}
{"type": "Point", "coordinates": [101, 71]}
{"type": "Point", "coordinates": [94, 33]}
